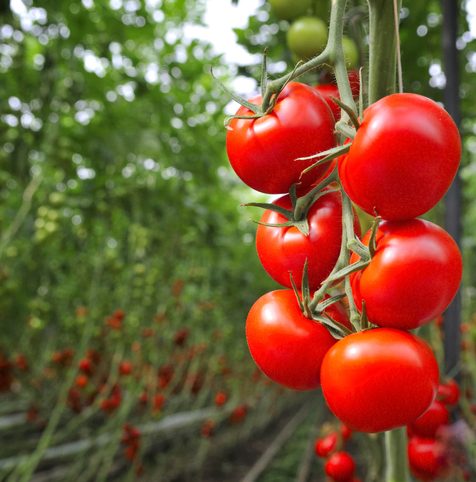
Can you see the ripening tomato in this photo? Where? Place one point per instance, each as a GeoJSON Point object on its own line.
{"type": "Point", "coordinates": [403, 158]}
{"type": "Point", "coordinates": [413, 276]}
{"type": "Point", "coordinates": [340, 467]}
{"type": "Point", "coordinates": [287, 346]}
{"type": "Point", "coordinates": [263, 151]}
{"type": "Point", "coordinates": [427, 458]}
{"type": "Point", "coordinates": [379, 379]}
{"type": "Point", "coordinates": [284, 250]}
{"type": "Point", "coordinates": [448, 392]}
{"type": "Point", "coordinates": [428, 423]}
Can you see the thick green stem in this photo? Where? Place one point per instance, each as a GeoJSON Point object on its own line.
{"type": "Point", "coordinates": [383, 49]}
{"type": "Point", "coordinates": [396, 469]}
{"type": "Point", "coordinates": [329, 55]}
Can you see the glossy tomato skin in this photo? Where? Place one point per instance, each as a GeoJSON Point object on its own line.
{"type": "Point", "coordinates": [284, 250]}
{"type": "Point", "coordinates": [340, 467]}
{"type": "Point", "coordinates": [263, 151]}
{"type": "Point", "coordinates": [427, 458]}
{"type": "Point", "coordinates": [287, 346]}
{"type": "Point", "coordinates": [428, 423]}
{"type": "Point", "coordinates": [412, 278]}
{"type": "Point", "coordinates": [379, 379]}
{"type": "Point", "coordinates": [403, 158]}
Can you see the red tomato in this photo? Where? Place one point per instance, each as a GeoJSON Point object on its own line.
{"type": "Point", "coordinates": [263, 151]}
{"type": "Point", "coordinates": [328, 91]}
{"type": "Point", "coordinates": [427, 458]}
{"type": "Point", "coordinates": [403, 158]}
{"type": "Point", "coordinates": [287, 346]}
{"type": "Point", "coordinates": [413, 276]}
{"type": "Point", "coordinates": [220, 399]}
{"type": "Point", "coordinates": [340, 467]}
{"type": "Point", "coordinates": [326, 445]}
{"type": "Point", "coordinates": [284, 250]}
{"type": "Point", "coordinates": [428, 423]}
{"type": "Point", "coordinates": [125, 367]}
{"type": "Point", "coordinates": [449, 392]}
{"type": "Point", "coordinates": [379, 379]}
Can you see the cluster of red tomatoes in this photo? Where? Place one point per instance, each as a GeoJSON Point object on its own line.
{"type": "Point", "coordinates": [434, 451]}
{"type": "Point", "coordinates": [339, 465]}
{"type": "Point", "coordinates": [401, 161]}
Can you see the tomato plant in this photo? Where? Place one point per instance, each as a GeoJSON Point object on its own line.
{"type": "Point", "coordinates": [260, 150]}
{"type": "Point", "coordinates": [307, 37]}
{"type": "Point", "coordinates": [283, 250]}
{"type": "Point", "coordinates": [287, 346]}
{"type": "Point", "coordinates": [404, 143]}
{"type": "Point", "coordinates": [379, 379]}
{"type": "Point", "coordinates": [416, 263]}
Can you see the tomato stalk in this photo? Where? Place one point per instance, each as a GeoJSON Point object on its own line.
{"type": "Point", "coordinates": [396, 469]}
{"type": "Point", "coordinates": [342, 265]}
{"type": "Point", "coordinates": [333, 53]}
{"type": "Point", "coordinates": [382, 48]}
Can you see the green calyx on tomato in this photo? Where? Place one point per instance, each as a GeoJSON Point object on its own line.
{"type": "Point", "coordinates": [259, 148]}
{"type": "Point", "coordinates": [307, 37]}
{"type": "Point", "coordinates": [283, 248]}
{"type": "Point", "coordinates": [286, 346]}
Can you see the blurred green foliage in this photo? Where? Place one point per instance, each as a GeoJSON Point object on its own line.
{"type": "Point", "coordinates": [113, 176]}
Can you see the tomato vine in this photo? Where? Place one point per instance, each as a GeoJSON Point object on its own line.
{"type": "Point", "coordinates": [384, 181]}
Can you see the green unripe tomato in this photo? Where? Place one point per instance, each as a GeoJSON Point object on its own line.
{"type": "Point", "coordinates": [289, 9]}
{"type": "Point", "coordinates": [351, 52]}
{"type": "Point", "coordinates": [307, 37]}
